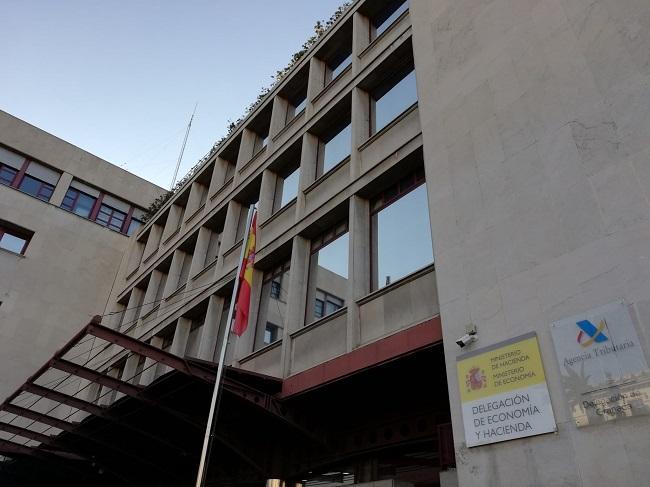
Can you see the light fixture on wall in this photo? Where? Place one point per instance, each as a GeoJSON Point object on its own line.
{"type": "Point", "coordinates": [469, 337]}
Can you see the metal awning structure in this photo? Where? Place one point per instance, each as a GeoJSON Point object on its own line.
{"type": "Point", "coordinates": [52, 431]}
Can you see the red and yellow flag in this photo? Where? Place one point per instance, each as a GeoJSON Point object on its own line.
{"type": "Point", "coordinates": [243, 305]}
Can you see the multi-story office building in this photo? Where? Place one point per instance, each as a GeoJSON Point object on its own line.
{"type": "Point", "coordinates": [427, 168]}
{"type": "Point", "coordinates": [65, 221]}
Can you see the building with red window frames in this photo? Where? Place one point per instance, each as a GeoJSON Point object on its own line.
{"type": "Point", "coordinates": [65, 220]}
{"type": "Point", "coordinates": [509, 139]}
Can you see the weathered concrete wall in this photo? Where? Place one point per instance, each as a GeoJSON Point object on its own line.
{"type": "Point", "coordinates": [536, 127]}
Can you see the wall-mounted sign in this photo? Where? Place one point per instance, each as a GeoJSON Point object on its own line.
{"type": "Point", "coordinates": [503, 392]}
{"type": "Point", "coordinates": [603, 367]}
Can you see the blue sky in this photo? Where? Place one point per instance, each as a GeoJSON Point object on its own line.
{"type": "Point", "coordinates": [120, 79]}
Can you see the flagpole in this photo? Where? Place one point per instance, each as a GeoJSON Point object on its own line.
{"type": "Point", "coordinates": [216, 393]}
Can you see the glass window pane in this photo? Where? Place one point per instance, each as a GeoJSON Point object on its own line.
{"type": "Point", "coordinates": [7, 175]}
{"type": "Point", "coordinates": [272, 311]}
{"type": "Point", "coordinates": [290, 187]}
{"type": "Point", "coordinates": [328, 279]}
{"type": "Point", "coordinates": [133, 226]}
{"type": "Point", "coordinates": [336, 71]}
{"type": "Point", "coordinates": [12, 243]}
{"type": "Point", "coordinates": [84, 205]}
{"type": "Point", "coordinates": [386, 23]}
{"type": "Point", "coordinates": [395, 101]}
{"type": "Point", "coordinates": [300, 106]}
{"type": "Point", "coordinates": [402, 238]}
{"type": "Point", "coordinates": [337, 149]}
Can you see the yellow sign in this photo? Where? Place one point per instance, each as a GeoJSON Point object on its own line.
{"type": "Point", "coordinates": [503, 392]}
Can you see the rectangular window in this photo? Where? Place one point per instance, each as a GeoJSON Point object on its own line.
{"type": "Point", "coordinates": [335, 149]}
{"type": "Point", "coordinates": [339, 66]}
{"type": "Point", "coordinates": [13, 238]}
{"type": "Point", "coordinates": [7, 175]}
{"type": "Point", "coordinates": [391, 99]}
{"type": "Point", "coordinates": [387, 17]}
{"type": "Point", "coordinates": [36, 187]}
{"type": "Point", "coordinates": [78, 202]}
{"type": "Point", "coordinates": [286, 189]}
{"type": "Point", "coordinates": [272, 311]}
{"type": "Point", "coordinates": [328, 273]}
{"type": "Point", "coordinates": [400, 231]}
{"type": "Point", "coordinates": [110, 217]}
{"type": "Point", "coordinates": [133, 226]}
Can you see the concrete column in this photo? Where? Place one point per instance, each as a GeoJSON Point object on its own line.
{"type": "Point", "coordinates": [174, 221]}
{"type": "Point", "coordinates": [308, 166]}
{"type": "Point", "coordinates": [229, 234]}
{"type": "Point", "coordinates": [278, 116]}
{"type": "Point", "coordinates": [179, 343]}
{"type": "Point", "coordinates": [131, 311]}
{"type": "Point", "coordinates": [174, 273]}
{"type": "Point", "coordinates": [200, 252]}
{"type": "Point", "coordinates": [245, 148]}
{"type": "Point", "coordinates": [129, 371]}
{"type": "Point", "coordinates": [194, 199]}
{"type": "Point", "coordinates": [315, 84]}
{"type": "Point", "coordinates": [244, 344]}
{"type": "Point", "coordinates": [267, 195]}
{"type": "Point", "coordinates": [298, 276]}
{"type": "Point", "coordinates": [153, 242]}
{"type": "Point", "coordinates": [149, 371]}
{"type": "Point", "coordinates": [150, 294]}
{"type": "Point", "coordinates": [360, 39]}
{"type": "Point", "coordinates": [210, 332]}
{"type": "Point", "coordinates": [358, 265]}
{"type": "Point", "coordinates": [360, 128]}
{"type": "Point", "coordinates": [218, 176]}
{"type": "Point", "coordinates": [61, 189]}
{"type": "Point", "coordinates": [108, 395]}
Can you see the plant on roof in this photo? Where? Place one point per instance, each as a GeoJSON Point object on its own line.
{"type": "Point", "coordinates": [320, 28]}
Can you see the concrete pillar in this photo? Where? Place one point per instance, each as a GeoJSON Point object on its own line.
{"type": "Point", "coordinates": [152, 290]}
{"type": "Point", "coordinates": [360, 119]}
{"type": "Point", "coordinates": [200, 252]}
{"type": "Point", "coordinates": [358, 265]}
{"type": "Point", "coordinates": [210, 332]}
{"type": "Point", "coordinates": [218, 176]}
{"type": "Point", "coordinates": [308, 167]}
{"type": "Point", "coordinates": [360, 39]}
{"type": "Point", "coordinates": [174, 222]}
{"type": "Point", "coordinates": [267, 195]}
{"type": "Point", "coordinates": [131, 308]}
{"type": "Point", "coordinates": [298, 276]}
{"type": "Point", "coordinates": [245, 148]}
{"type": "Point", "coordinates": [129, 371]}
{"type": "Point", "coordinates": [278, 116]}
{"type": "Point", "coordinates": [61, 189]}
{"type": "Point", "coordinates": [149, 371]}
{"type": "Point", "coordinates": [108, 395]}
{"type": "Point", "coordinates": [174, 273]}
{"type": "Point", "coordinates": [153, 242]}
{"type": "Point", "coordinates": [449, 478]}
{"type": "Point", "coordinates": [315, 84]}
{"type": "Point", "coordinates": [194, 199]}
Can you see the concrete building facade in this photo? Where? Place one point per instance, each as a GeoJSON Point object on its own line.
{"type": "Point", "coordinates": [428, 165]}
{"type": "Point", "coordinates": [59, 256]}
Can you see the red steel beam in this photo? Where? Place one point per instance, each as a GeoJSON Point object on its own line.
{"type": "Point", "coordinates": [25, 433]}
{"type": "Point", "coordinates": [94, 376]}
{"type": "Point", "coordinates": [38, 417]}
{"type": "Point", "coordinates": [66, 399]}
{"type": "Point", "coordinates": [9, 448]}
{"type": "Point", "coordinates": [149, 351]}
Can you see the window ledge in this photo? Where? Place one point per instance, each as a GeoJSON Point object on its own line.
{"type": "Point", "coordinates": [389, 126]}
{"type": "Point", "coordinates": [331, 83]}
{"type": "Point", "coordinates": [133, 272]}
{"type": "Point", "coordinates": [261, 351]}
{"type": "Point", "coordinates": [204, 270]}
{"type": "Point", "coordinates": [319, 322]}
{"type": "Point", "coordinates": [288, 125]}
{"type": "Point", "coordinates": [222, 188]}
{"type": "Point", "coordinates": [150, 256]}
{"type": "Point", "coordinates": [276, 215]}
{"type": "Point", "coordinates": [233, 247]}
{"type": "Point", "coordinates": [150, 312]}
{"type": "Point", "coordinates": [256, 156]}
{"type": "Point", "coordinates": [195, 212]}
{"type": "Point", "coordinates": [326, 175]}
{"type": "Point", "coordinates": [178, 290]}
{"type": "Point", "coordinates": [394, 285]}
{"type": "Point", "coordinates": [173, 234]}
{"type": "Point", "coordinates": [384, 34]}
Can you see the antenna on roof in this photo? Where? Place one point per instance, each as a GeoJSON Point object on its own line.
{"type": "Point", "coordinates": [180, 156]}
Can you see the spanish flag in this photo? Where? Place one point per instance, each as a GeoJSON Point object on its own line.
{"type": "Point", "coordinates": [243, 305]}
